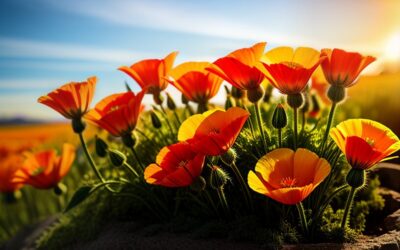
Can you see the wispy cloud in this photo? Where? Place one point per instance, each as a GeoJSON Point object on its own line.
{"type": "Point", "coordinates": [19, 48]}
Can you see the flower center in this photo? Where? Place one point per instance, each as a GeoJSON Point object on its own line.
{"type": "Point", "coordinates": [292, 64]}
{"type": "Point", "coordinates": [288, 182]}
{"type": "Point", "coordinates": [370, 141]}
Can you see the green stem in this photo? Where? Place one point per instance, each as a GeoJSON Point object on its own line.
{"type": "Point", "coordinates": [295, 111]}
{"type": "Point", "coordinates": [280, 137]}
{"type": "Point", "coordinates": [131, 169]}
{"type": "Point", "coordinates": [90, 159]}
{"type": "Point", "coordinates": [349, 203]}
{"type": "Point", "coordinates": [166, 118]}
{"type": "Point", "coordinates": [177, 118]}
{"type": "Point", "coordinates": [244, 187]}
{"type": "Point", "coordinates": [137, 157]}
{"type": "Point", "coordinates": [260, 124]}
{"type": "Point", "coordinates": [303, 219]}
{"type": "Point", "coordinates": [303, 120]}
{"type": "Point", "coordinates": [328, 126]}
{"type": "Point", "coordinates": [222, 199]}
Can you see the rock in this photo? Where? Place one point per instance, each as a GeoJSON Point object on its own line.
{"type": "Point", "coordinates": [392, 200]}
{"type": "Point", "coordinates": [392, 222]}
{"type": "Point", "coordinates": [389, 175]}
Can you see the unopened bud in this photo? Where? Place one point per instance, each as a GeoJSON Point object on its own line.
{"type": "Point", "coordinates": [129, 140]}
{"type": "Point", "coordinates": [155, 120]}
{"type": "Point", "coordinates": [117, 158]}
{"type": "Point", "coordinates": [229, 102]}
{"type": "Point", "coordinates": [158, 98]}
{"type": "Point", "coordinates": [218, 178]}
{"type": "Point", "coordinates": [101, 147]}
{"type": "Point", "coordinates": [184, 99]}
{"type": "Point", "coordinates": [60, 189]}
{"type": "Point", "coordinates": [229, 157]}
{"type": "Point", "coordinates": [170, 102]}
{"type": "Point", "coordinates": [279, 118]}
{"type": "Point", "coordinates": [268, 93]}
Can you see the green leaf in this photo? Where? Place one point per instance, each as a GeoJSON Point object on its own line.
{"type": "Point", "coordinates": [80, 195]}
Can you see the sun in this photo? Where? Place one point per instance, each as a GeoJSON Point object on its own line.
{"type": "Point", "coordinates": [392, 51]}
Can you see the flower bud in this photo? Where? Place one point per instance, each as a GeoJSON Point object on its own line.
{"type": "Point", "coordinates": [336, 93]}
{"type": "Point", "coordinates": [184, 99]}
{"type": "Point", "coordinates": [237, 93]}
{"type": "Point", "coordinates": [254, 95]}
{"type": "Point", "coordinates": [218, 178]}
{"type": "Point", "coordinates": [101, 147]}
{"type": "Point", "coordinates": [129, 140]}
{"type": "Point", "coordinates": [356, 177]}
{"type": "Point", "coordinates": [268, 93]}
{"type": "Point", "coordinates": [279, 118]}
{"type": "Point", "coordinates": [60, 189]}
{"type": "Point", "coordinates": [117, 158]}
{"type": "Point", "coordinates": [229, 102]}
{"type": "Point", "coordinates": [170, 102]}
{"type": "Point", "coordinates": [295, 101]}
{"type": "Point", "coordinates": [12, 197]}
{"type": "Point", "coordinates": [158, 98]}
{"type": "Point", "coordinates": [78, 125]}
{"type": "Point", "coordinates": [199, 184]}
{"type": "Point", "coordinates": [229, 157]}
{"type": "Point", "coordinates": [155, 120]}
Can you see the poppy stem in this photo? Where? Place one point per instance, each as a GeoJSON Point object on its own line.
{"type": "Point", "coordinates": [328, 126]}
{"type": "Point", "coordinates": [303, 219]}
{"type": "Point", "coordinates": [295, 112]}
{"type": "Point", "coordinates": [347, 208]}
{"type": "Point", "coordinates": [260, 124]}
{"type": "Point", "coordinates": [177, 118]}
{"type": "Point", "coordinates": [222, 199]}
{"type": "Point", "coordinates": [245, 188]}
{"type": "Point", "coordinates": [166, 118]}
{"type": "Point", "coordinates": [280, 137]}
{"type": "Point", "coordinates": [137, 157]}
{"type": "Point", "coordinates": [89, 158]}
{"type": "Point", "coordinates": [131, 169]}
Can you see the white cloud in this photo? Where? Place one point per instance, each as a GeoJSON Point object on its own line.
{"type": "Point", "coordinates": [10, 47]}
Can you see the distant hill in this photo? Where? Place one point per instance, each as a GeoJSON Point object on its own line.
{"type": "Point", "coordinates": [19, 121]}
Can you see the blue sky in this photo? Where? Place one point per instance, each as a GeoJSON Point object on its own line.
{"type": "Point", "coordinates": [45, 43]}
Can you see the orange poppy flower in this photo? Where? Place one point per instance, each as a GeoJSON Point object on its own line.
{"type": "Point", "coordinates": [151, 74]}
{"type": "Point", "coordinates": [213, 132]}
{"type": "Point", "coordinates": [241, 67]}
{"type": "Point", "coordinates": [287, 176]}
{"type": "Point", "coordinates": [45, 169]}
{"type": "Point", "coordinates": [176, 165]}
{"type": "Point", "coordinates": [289, 70]}
{"type": "Point", "coordinates": [8, 167]}
{"type": "Point", "coordinates": [341, 68]}
{"type": "Point", "coordinates": [364, 142]}
{"type": "Point", "coordinates": [71, 100]}
{"type": "Point", "coordinates": [117, 113]}
{"type": "Point", "coordinates": [195, 82]}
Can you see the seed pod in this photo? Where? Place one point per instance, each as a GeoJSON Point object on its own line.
{"type": "Point", "coordinates": [229, 157]}
{"type": "Point", "coordinates": [336, 93]}
{"type": "Point", "coordinates": [295, 101]}
{"type": "Point", "coordinates": [356, 177]}
{"type": "Point", "coordinates": [254, 95]}
{"type": "Point", "coordinates": [199, 184]}
{"type": "Point", "coordinates": [78, 125]}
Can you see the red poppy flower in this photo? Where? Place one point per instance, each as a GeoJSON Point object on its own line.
{"type": "Point", "coordinates": [195, 82]}
{"type": "Point", "coordinates": [151, 74]}
{"type": "Point", "coordinates": [364, 142]}
{"type": "Point", "coordinates": [213, 132]}
{"type": "Point", "coordinates": [289, 70]}
{"type": "Point", "coordinates": [117, 113]}
{"type": "Point", "coordinates": [176, 165]}
{"type": "Point", "coordinates": [287, 176]}
{"type": "Point", "coordinates": [241, 67]}
{"type": "Point", "coordinates": [9, 166]}
{"type": "Point", "coordinates": [45, 169]}
{"type": "Point", "coordinates": [341, 68]}
{"type": "Point", "coordinates": [71, 100]}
